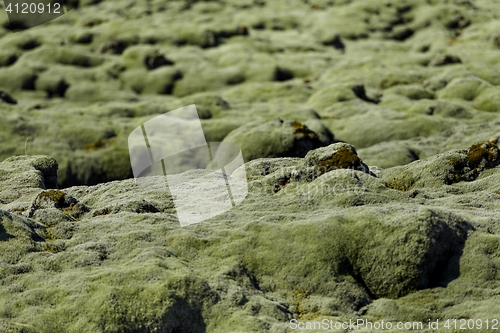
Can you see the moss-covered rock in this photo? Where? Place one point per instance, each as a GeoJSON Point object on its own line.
{"type": "Point", "coordinates": [279, 138]}
{"type": "Point", "coordinates": [399, 154]}
{"type": "Point", "coordinates": [446, 169]}
{"type": "Point", "coordinates": [467, 89]}
{"type": "Point", "coordinates": [337, 156]}
{"type": "Point", "coordinates": [340, 245]}
{"type": "Point", "coordinates": [413, 92]}
{"type": "Point", "coordinates": [488, 100]}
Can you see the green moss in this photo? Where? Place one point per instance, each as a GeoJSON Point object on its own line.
{"type": "Point", "coordinates": [467, 88]}
{"type": "Point", "coordinates": [52, 247]}
{"type": "Point", "coordinates": [488, 100]}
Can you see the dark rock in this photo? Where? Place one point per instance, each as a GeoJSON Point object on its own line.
{"type": "Point", "coordinates": [156, 60]}
{"type": "Point", "coordinates": [7, 98]}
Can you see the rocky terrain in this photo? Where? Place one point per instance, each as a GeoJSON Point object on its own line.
{"type": "Point", "coordinates": [369, 131]}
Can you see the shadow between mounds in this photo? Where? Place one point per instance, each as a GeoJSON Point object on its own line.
{"type": "Point", "coordinates": [182, 318]}
{"type": "Point", "coordinates": [4, 235]}
{"type": "Point", "coordinates": [447, 267]}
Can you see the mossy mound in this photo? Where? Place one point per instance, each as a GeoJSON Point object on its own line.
{"type": "Point", "coordinates": [279, 138]}
{"type": "Point", "coordinates": [370, 73]}
{"type": "Point", "coordinates": [400, 154]}
{"type": "Point", "coordinates": [337, 246]}
{"type": "Point", "coordinates": [26, 174]}
{"type": "Point", "coordinates": [338, 156]}
{"type": "Point", "coordinates": [407, 151]}
{"type": "Point", "coordinates": [446, 169]}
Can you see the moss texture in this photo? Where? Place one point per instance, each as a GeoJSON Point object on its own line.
{"type": "Point", "coordinates": [340, 245]}
{"type": "Point", "coordinates": [412, 84]}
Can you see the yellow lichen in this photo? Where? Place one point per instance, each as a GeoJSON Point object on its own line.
{"type": "Point", "coordinates": [301, 128]}
{"type": "Point", "coordinates": [48, 235]}
{"type": "Point", "coordinates": [343, 159]}
{"type": "Point", "coordinates": [403, 184]}
{"type": "Point", "coordinates": [93, 146]}
{"type": "Point", "coordinates": [53, 195]}
{"type": "Point", "coordinates": [104, 211]}
{"type": "Point", "coordinates": [481, 151]}
{"type": "Point", "coordinates": [300, 295]}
